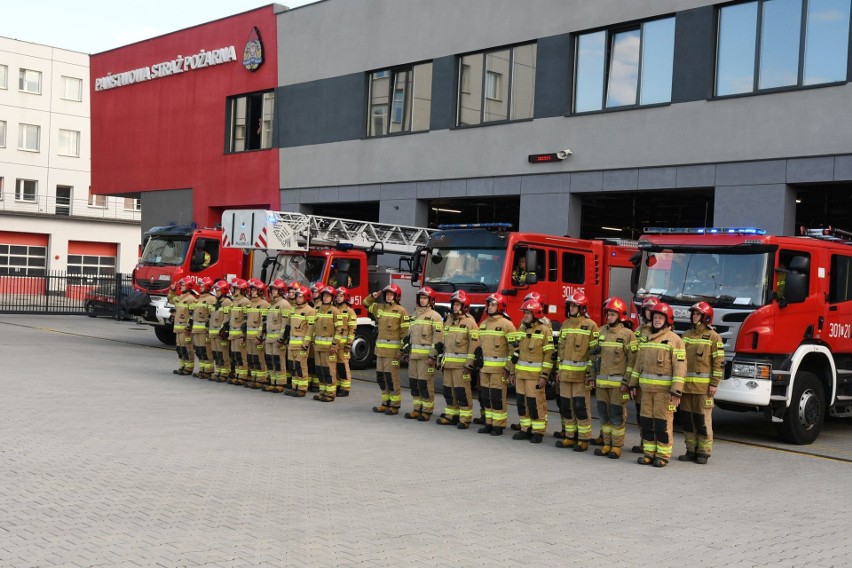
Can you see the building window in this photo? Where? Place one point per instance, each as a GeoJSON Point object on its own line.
{"type": "Point", "coordinates": [90, 265]}
{"type": "Point", "coordinates": [2, 189]}
{"type": "Point", "coordinates": [400, 100]}
{"type": "Point", "coordinates": [72, 88]}
{"type": "Point", "coordinates": [26, 190]}
{"type": "Point", "coordinates": [69, 143]}
{"type": "Point", "coordinates": [2, 133]}
{"type": "Point", "coordinates": [132, 204]}
{"type": "Point", "coordinates": [97, 200]}
{"type": "Point", "coordinates": [28, 137]}
{"type": "Point", "coordinates": [251, 119]}
{"type": "Point", "coordinates": [22, 260]}
{"type": "Point", "coordinates": [63, 200]}
{"type": "Point", "coordinates": [29, 81]}
{"type": "Point", "coordinates": [497, 86]}
{"type": "Point", "coordinates": [772, 44]}
{"type": "Point", "coordinates": [624, 67]}
{"type": "Point", "coordinates": [4, 77]}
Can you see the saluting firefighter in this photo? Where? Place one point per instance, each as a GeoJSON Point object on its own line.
{"type": "Point", "coordinates": [184, 299]}
{"type": "Point", "coordinates": [705, 364]}
{"type": "Point", "coordinates": [659, 370]}
{"type": "Point", "coordinates": [217, 330]}
{"type": "Point", "coordinates": [529, 367]}
{"type": "Point", "coordinates": [427, 328]}
{"type": "Point", "coordinates": [200, 319]}
{"type": "Point", "coordinates": [273, 350]}
{"type": "Point", "coordinates": [578, 337]}
{"type": "Point", "coordinates": [302, 318]}
{"type": "Point", "coordinates": [349, 320]}
{"type": "Point", "coordinates": [236, 333]}
{"type": "Point", "coordinates": [393, 322]}
{"type": "Point", "coordinates": [611, 385]}
{"type": "Point", "coordinates": [457, 351]}
{"type": "Point", "coordinates": [327, 327]}
{"type": "Point", "coordinates": [255, 317]}
{"type": "Point", "coordinates": [642, 334]}
{"type": "Point", "coordinates": [496, 334]}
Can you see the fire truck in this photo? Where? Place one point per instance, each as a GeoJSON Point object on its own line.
{"type": "Point", "coordinates": [783, 306]}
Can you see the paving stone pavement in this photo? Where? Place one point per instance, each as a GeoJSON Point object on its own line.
{"type": "Point", "coordinates": [108, 459]}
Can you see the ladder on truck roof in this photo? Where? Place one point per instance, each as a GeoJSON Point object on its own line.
{"type": "Point", "coordinates": [828, 234]}
{"type": "Point", "coordinates": [291, 231]}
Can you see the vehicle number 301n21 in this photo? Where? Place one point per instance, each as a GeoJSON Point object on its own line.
{"type": "Point", "coordinates": [839, 330]}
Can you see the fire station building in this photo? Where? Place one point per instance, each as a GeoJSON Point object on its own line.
{"type": "Point", "coordinates": [559, 116]}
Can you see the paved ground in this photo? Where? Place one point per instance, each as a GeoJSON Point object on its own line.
{"type": "Point", "coordinates": [107, 459]}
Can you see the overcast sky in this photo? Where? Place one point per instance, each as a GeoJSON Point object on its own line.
{"type": "Point", "coordinates": [92, 26]}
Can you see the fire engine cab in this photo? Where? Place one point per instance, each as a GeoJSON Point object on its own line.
{"type": "Point", "coordinates": [783, 306]}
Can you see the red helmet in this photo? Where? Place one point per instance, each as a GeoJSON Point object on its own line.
{"type": "Point", "coordinates": [241, 285]}
{"type": "Point", "coordinates": [346, 297]}
{"type": "Point", "coordinates": [223, 286]}
{"type": "Point", "coordinates": [294, 285]}
{"type": "Point", "coordinates": [500, 299]}
{"type": "Point", "coordinates": [304, 291]}
{"type": "Point", "coordinates": [277, 284]}
{"type": "Point", "coordinates": [649, 302]}
{"type": "Point", "coordinates": [665, 309]}
{"type": "Point", "coordinates": [205, 283]}
{"type": "Point", "coordinates": [328, 290]}
{"type": "Point", "coordinates": [617, 305]}
{"type": "Point", "coordinates": [397, 291]}
{"type": "Point", "coordinates": [461, 297]}
{"type": "Point", "coordinates": [578, 299]}
{"type": "Point", "coordinates": [316, 287]}
{"type": "Point", "coordinates": [429, 292]}
{"type": "Point", "coordinates": [533, 306]}
{"type": "Point", "coordinates": [706, 311]}
{"type": "Point", "coordinates": [257, 284]}
{"type": "Point", "coordinates": [533, 296]}
{"type": "Point", "coordinates": [192, 285]}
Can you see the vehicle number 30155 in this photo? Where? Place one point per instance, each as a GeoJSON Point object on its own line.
{"type": "Point", "coordinates": [839, 330]}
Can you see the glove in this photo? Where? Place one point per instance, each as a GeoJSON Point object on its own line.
{"type": "Point", "coordinates": [478, 358]}
{"type": "Point", "coordinates": [223, 333]}
{"type": "Point", "coordinates": [515, 357]}
{"type": "Point", "coordinates": [439, 347]}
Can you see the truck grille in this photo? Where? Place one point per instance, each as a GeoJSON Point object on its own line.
{"type": "Point", "coordinates": [153, 285]}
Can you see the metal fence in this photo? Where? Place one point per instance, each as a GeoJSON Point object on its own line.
{"type": "Point", "coordinates": [58, 293]}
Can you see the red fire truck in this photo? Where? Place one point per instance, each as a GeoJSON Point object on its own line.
{"type": "Point", "coordinates": [783, 306]}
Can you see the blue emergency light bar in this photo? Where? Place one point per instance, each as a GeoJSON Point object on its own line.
{"type": "Point", "coordinates": [703, 231]}
{"type": "Point", "coordinates": [476, 226]}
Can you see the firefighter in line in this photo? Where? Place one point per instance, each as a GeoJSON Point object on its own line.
{"type": "Point", "coordinates": [659, 371]}
{"type": "Point", "coordinates": [705, 364]}
{"type": "Point", "coordinates": [393, 322]}
{"type": "Point", "coordinates": [529, 368]}
{"type": "Point", "coordinates": [419, 349]}
{"type": "Point", "coordinates": [236, 334]}
{"type": "Point", "coordinates": [578, 338]}
{"type": "Point", "coordinates": [349, 322]}
{"type": "Point", "coordinates": [301, 336]}
{"type": "Point", "coordinates": [218, 332]}
{"type": "Point", "coordinates": [200, 319]}
{"type": "Point", "coordinates": [496, 333]}
{"type": "Point", "coordinates": [313, 377]}
{"type": "Point", "coordinates": [642, 334]}
{"type": "Point", "coordinates": [273, 351]}
{"type": "Point", "coordinates": [522, 330]}
{"type": "Point", "coordinates": [183, 301]}
{"type": "Point", "coordinates": [292, 289]}
{"type": "Point", "coordinates": [254, 329]}
{"type": "Point", "coordinates": [616, 365]}
{"type": "Point", "coordinates": [458, 346]}
{"type": "Point", "coordinates": [327, 327]}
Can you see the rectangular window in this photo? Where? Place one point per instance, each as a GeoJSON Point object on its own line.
{"type": "Point", "coordinates": [624, 67]}
{"type": "Point", "coordinates": [2, 188]}
{"type": "Point", "coordinates": [840, 287]}
{"type": "Point", "coordinates": [251, 119]}
{"type": "Point", "coordinates": [29, 137]}
{"type": "Point", "coordinates": [132, 204]}
{"type": "Point", "coordinates": [91, 265]}
{"type": "Point", "coordinates": [63, 200]}
{"type": "Point", "coordinates": [26, 190]}
{"type": "Point", "coordinates": [69, 143]}
{"type": "Point", "coordinates": [97, 200]}
{"type": "Point", "coordinates": [2, 133]}
{"type": "Point", "coordinates": [29, 81]}
{"type": "Point", "coordinates": [400, 100]}
{"type": "Point", "coordinates": [771, 44]}
{"type": "Point", "coordinates": [573, 268]}
{"type": "Point", "coordinates": [72, 88]}
{"type": "Point", "coordinates": [496, 86]}
{"type": "Point", "coordinates": [22, 260]}
{"type": "Point", "coordinates": [4, 77]}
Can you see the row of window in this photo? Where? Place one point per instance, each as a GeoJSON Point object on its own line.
{"type": "Point", "coordinates": [29, 139]}
{"type": "Point", "coordinates": [27, 260]}
{"type": "Point", "coordinates": [29, 81]}
{"type": "Point", "coordinates": [26, 190]}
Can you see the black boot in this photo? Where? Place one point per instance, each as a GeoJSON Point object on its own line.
{"type": "Point", "coordinates": [487, 429]}
{"type": "Point", "coordinates": [536, 438]}
{"type": "Point", "coordinates": [522, 435]}
{"type": "Point", "coordinates": [497, 431]}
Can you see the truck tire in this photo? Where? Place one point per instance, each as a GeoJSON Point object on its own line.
{"type": "Point", "coordinates": [362, 348]}
{"type": "Point", "coordinates": [165, 334]}
{"type": "Point", "coordinates": [804, 417]}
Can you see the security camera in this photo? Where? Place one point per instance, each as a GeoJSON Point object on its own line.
{"type": "Point", "coordinates": [562, 154]}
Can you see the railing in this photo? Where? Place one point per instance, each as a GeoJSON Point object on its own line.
{"type": "Point", "coordinates": [108, 208]}
{"type": "Point", "coordinates": [62, 293]}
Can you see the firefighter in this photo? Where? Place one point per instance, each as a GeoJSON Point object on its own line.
{"type": "Point", "coordinates": [255, 319]}
{"type": "Point", "coordinates": [393, 322]}
{"type": "Point", "coordinates": [349, 320]}
{"type": "Point", "coordinates": [292, 289]}
{"type": "Point", "coordinates": [495, 334]}
{"type": "Point", "coordinates": [236, 335]}
{"type": "Point", "coordinates": [200, 319]}
{"type": "Point", "coordinates": [522, 329]}
{"type": "Point", "coordinates": [642, 334]}
{"type": "Point", "coordinates": [578, 338]}
{"type": "Point", "coordinates": [313, 377]}
{"type": "Point", "coordinates": [659, 370]}
{"type": "Point", "coordinates": [182, 325]}
{"type": "Point", "coordinates": [301, 324]}
{"type": "Point", "coordinates": [327, 327]}
{"type": "Point", "coordinates": [419, 348]}
{"type": "Point", "coordinates": [218, 332]}
{"type": "Point", "coordinates": [529, 367]}
{"type": "Point", "coordinates": [616, 365]}
{"type": "Point", "coordinates": [705, 363]}
{"type": "Point", "coordinates": [457, 353]}
{"type": "Point", "coordinates": [273, 350]}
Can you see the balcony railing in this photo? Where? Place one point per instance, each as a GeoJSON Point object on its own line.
{"type": "Point", "coordinates": [112, 207]}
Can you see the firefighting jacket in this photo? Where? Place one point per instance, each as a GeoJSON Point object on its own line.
{"type": "Point", "coordinates": [218, 315]}
{"type": "Point", "coordinates": [301, 323]}
{"type": "Point", "coordinates": [348, 324]}
{"type": "Point", "coordinates": [255, 316]}
{"type": "Point", "coordinates": [276, 315]}
{"type": "Point", "coordinates": [578, 337]}
{"type": "Point", "coordinates": [705, 359]}
{"type": "Point", "coordinates": [644, 332]}
{"type": "Point", "coordinates": [616, 356]}
{"type": "Point", "coordinates": [237, 317]}
{"type": "Point", "coordinates": [327, 326]}
{"type": "Point", "coordinates": [393, 322]}
{"type": "Point", "coordinates": [183, 311]}
{"type": "Point", "coordinates": [660, 363]}
{"type": "Point", "coordinates": [460, 339]}
{"type": "Point", "coordinates": [496, 334]}
{"type": "Point", "coordinates": [427, 328]}
{"type": "Point", "coordinates": [201, 312]}
{"type": "Point", "coordinates": [532, 359]}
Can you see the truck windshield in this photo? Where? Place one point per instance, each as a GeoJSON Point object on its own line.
{"type": "Point", "coordinates": [306, 270]}
{"type": "Point", "coordinates": [722, 280]}
{"type": "Point", "coordinates": [470, 269]}
{"type": "Point", "coordinates": [165, 251]}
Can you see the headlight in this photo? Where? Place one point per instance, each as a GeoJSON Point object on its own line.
{"type": "Point", "coordinates": [752, 370]}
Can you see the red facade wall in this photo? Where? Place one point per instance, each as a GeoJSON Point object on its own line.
{"type": "Point", "coordinates": [169, 133]}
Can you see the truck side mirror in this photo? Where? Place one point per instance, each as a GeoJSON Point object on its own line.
{"type": "Point", "coordinates": [532, 278]}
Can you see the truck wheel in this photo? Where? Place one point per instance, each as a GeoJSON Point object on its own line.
{"type": "Point", "coordinates": [362, 349]}
{"type": "Point", "coordinates": [90, 309]}
{"type": "Point", "coordinates": [165, 334]}
{"type": "Point", "coordinates": [806, 413]}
